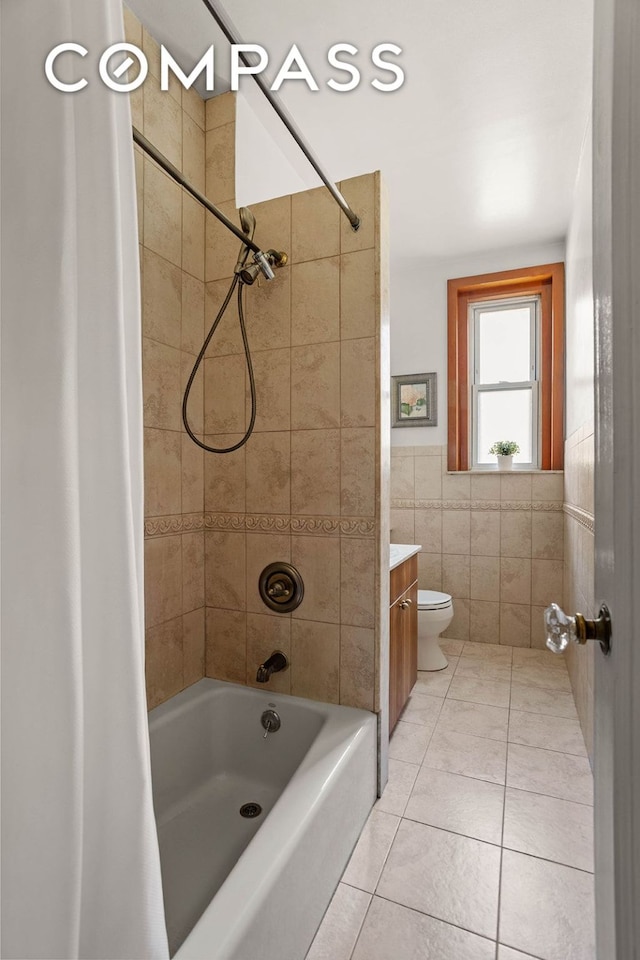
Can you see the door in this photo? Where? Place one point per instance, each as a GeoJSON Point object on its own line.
{"type": "Point", "coordinates": [617, 477]}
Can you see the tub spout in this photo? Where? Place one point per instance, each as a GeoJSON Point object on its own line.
{"type": "Point", "coordinates": [276, 662]}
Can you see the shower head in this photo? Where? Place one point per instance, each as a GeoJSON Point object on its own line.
{"type": "Point", "coordinates": [247, 222]}
{"type": "Point", "coordinates": [263, 263]}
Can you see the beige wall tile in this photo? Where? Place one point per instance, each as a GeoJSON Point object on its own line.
{"type": "Point", "coordinates": [225, 394]}
{"type": "Point", "coordinates": [315, 386]}
{"type": "Point", "coordinates": [151, 50]}
{"type": "Point", "coordinates": [263, 549]}
{"type": "Point", "coordinates": [226, 645]}
{"type": "Point", "coordinates": [315, 225]}
{"type": "Point", "coordinates": [515, 533]}
{"type": "Point", "coordinates": [193, 237]}
{"type": "Point", "coordinates": [139, 170]}
{"type": "Point", "coordinates": [485, 487]}
{"type": "Point", "coordinates": [547, 535]}
{"type": "Point", "coordinates": [193, 106]}
{"type": "Point", "coordinates": [136, 102]}
{"type": "Point", "coordinates": [192, 334]}
{"type": "Point", "coordinates": [318, 560]}
{"type": "Point", "coordinates": [515, 486]}
{"type": "Point", "coordinates": [402, 526]}
{"type": "Point", "coordinates": [195, 400]}
{"type": "Point", "coordinates": [161, 299]}
{"type": "Point", "coordinates": [192, 571]}
{"type": "Point", "coordinates": [455, 575]}
{"type": "Point", "coordinates": [538, 630]}
{"type": "Point", "coordinates": [161, 385]}
{"type": "Point", "coordinates": [220, 163]}
{"type": "Point", "coordinates": [358, 472]}
{"type": "Point", "coordinates": [484, 621]}
{"type": "Point", "coordinates": [547, 486]}
{"type": "Point", "coordinates": [455, 487]}
{"type": "Point", "coordinates": [485, 578]}
{"type": "Point", "coordinates": [162, 214]}
{"type": "Point", "coordinates": [358, 383]}
{"type": "Point", "coordinates": [193, 152]}
{"type": "Point", "coordinates": [430, 571]}
{"type": "Point", "coordinates": [315, 660]}
{"type": "Point", "coordinates": [359, 192]}
{"type": "Point", "coordinates": [456, 531]}
{"type": "Point", "coordinates": [193, 644]}
{"type": "Point", "coordinates": [459, 626]}
{"type": "Point", "coordinates": [268, 312]}
{"type": "Point", "coordinates": [273, 225]}
{"type": "Point", "coordinates": [515, 580]}
{"type": "Point", "coordinates": [315, 472]}
{"type": "Point", "coordinates": [546, 581]}
{"type": "Point", "coordinates": [515, 624]}
{"type": "Point", "coordinates": [403, 486]}
{"type": "Point", "coordinates": [132, 27]}
{"type": "Point", "coordinates": [163, 656]}
{"type": "Point", "coordinates": [269, 482]}
{"type": "Point", "coordinates": [428, 478]}
{"type": "Point", "coordinates": [221, 247]}
{"type": "Point", "coordinates": [227, 338]}
{"type": "Point", "coordinates": [315, 301]}
{"type": "Point", "coordinates": [357, 663]}
{"type": "Point", "coordinates": [224, 475]}
{"type": "Point", "coordinates": [358, 295]}
{"type": "Point", "coordinates": [220, 110]}
{"type": "Point", "coordinates": [225, 569]}
{"type": "Point", "coordinates": [357, 597]}
{"type": "Point", "coordinates": [162, 473]}
{"type": "Point", "coordinates": [428, 529]}
{"type": "Point", "coordinates": [163, 122]}
{"type": "Point", "coordinates": [485, 533]}
{"type": "Point", "coordinates": [272, 372]}
{"type": "Point", "coordinates": [265, 635]}
{"type": "Point", "coordinates": [162, 579]}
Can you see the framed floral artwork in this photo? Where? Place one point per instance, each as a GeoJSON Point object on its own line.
{"type": "Point", "coordinates": [414, 400]}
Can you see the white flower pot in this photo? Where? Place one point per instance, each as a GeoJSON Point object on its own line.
{"type": "Point", "coordinates": [505, 462]}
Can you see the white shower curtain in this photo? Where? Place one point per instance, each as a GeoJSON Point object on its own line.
{"type": "Point", "coordinates": [80, 865]}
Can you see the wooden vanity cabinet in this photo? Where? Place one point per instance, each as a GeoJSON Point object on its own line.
{"type": "Point", "coordinates": [403, 636]}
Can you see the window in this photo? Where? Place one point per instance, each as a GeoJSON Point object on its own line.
{"type": "Point", "coordinates": [506, 367]}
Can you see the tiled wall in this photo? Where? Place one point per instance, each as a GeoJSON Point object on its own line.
{"type": "Point", "coordinates": [171, 234]}
{"type": "Point", "coordinates": [492, 541]}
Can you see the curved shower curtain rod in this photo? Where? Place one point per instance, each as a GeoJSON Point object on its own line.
{"type": "Point", "coordinates": [224, 22]}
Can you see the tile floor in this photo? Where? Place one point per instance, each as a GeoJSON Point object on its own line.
{"type": "Point", "coordinates": [481, 847]}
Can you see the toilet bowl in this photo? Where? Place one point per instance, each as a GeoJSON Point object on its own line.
{"type": "Point", "coordinates": [435, 613]}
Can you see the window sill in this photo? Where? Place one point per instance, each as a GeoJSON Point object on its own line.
{"type": "Point", "coordinates": [493, 471]}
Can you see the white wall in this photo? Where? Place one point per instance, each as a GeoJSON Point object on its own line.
{"type": "Point", "coordinates": [419, 319]}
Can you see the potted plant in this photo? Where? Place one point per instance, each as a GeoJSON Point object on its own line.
{"type": "Point", "coordinates": [504, 451]}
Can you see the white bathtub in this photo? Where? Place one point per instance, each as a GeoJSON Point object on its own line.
{"type": "Point", "coordinates": [255, 889]}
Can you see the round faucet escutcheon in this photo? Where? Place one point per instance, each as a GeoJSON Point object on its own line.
{"type": "Point", "coordinates": [281, 587]}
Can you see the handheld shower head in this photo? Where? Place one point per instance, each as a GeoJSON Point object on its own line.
{"type": "Point", "coordinates": [247, 222]}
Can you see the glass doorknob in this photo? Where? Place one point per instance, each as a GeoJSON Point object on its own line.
{"type": "Point", "coordinates": [563, 629]}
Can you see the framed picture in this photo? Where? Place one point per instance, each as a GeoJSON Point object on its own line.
{"type": "Point", "coordinates": [414, 400]}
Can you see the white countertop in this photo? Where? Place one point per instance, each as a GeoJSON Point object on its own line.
{"type": "Point", "coordinates": [399, 552]}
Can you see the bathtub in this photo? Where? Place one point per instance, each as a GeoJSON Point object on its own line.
{"type": "Point", "coordinates": [257, 888]}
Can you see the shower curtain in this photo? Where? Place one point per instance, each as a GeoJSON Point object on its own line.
{"type": "Point", "coordinates": [80, 865]}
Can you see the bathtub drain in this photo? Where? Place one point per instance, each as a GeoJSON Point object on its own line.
{"type": "Point", "coordinates": [250, 810]}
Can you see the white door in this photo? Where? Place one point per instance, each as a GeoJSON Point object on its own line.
{"type": "Point", "coordinates": [617, 505]}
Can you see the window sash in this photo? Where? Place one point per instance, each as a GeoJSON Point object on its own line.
{"type": "Point", "coordinates": [534, 386]}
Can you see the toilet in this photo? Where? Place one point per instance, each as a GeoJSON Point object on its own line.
{"type": "Point", "coordinates": [435, 613]}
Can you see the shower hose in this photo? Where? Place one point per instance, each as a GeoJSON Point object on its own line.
{"type": "Point", "coordinates": [236, 282]}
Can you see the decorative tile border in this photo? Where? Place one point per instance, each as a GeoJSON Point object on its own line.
{"type": "Point", "coordinates": [550, 506]}
{"type": "Point", "coordinates": [583, 517]}
{"type": "Point", "coordinates": [261, 523]}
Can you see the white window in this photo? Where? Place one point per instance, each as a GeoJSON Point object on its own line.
{"type": "Point", "coordinates": [504, 340]}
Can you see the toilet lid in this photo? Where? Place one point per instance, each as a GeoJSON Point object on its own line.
{"type": "Point", "coordinates": [432, 600]}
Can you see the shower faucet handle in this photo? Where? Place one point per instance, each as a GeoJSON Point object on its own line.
{"type": "Point", "coordinates": [563, 629]}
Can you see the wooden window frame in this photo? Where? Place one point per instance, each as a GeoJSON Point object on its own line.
{"type": "Point", "coordinates": [545, 281]}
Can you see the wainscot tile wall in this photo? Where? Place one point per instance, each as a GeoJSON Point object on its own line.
{"type": "Point", "coordinates": [493, 541]}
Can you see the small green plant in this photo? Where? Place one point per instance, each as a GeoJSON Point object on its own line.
{"type": "Point", "coordinates": [505, 448]}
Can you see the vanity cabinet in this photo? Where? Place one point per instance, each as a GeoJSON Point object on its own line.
{"type": "Point", "coordinates": [403, 636]}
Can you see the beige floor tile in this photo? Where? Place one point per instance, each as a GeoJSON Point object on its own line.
{"type": "Point", "coordinates": [548, 702]}
{"type": "Point", "coordinates": [534, 918]}
{"type": "Point", "coordinates": [523, 656]}
{"type": "Point", "coordinates": [536, 730]}
{"type": "Point", "coordinates": [395, 795]}
{"type": "Point", "coordinates": [450, 877]}
{"type": "Point", "coordinates": [368, 858]}
{"type": "Point", "coordinates": [553, 774]}
{"type": "Point", "coordinates": [476, 719]}
{"type": "Point", "coordinates": [393, 932]}
{"type": "Point", "coordinates": [483, 669]}
{"type": "Point", "coordinates": [550, 828]}
{"type": "Point", "coordinates": [493, 692]}
{"type": "Point", "coordinates": [436, 682]}
{"type": "Point", "coordinates": [506, 953]}
{"type": "Point", "coordinates": [468, 756]}
{"type": "Point", "coordinates": [422, 708]}
{"type": "Point", "coordinates": [338, 932]}
{"type": "Point", "coordinates": [451, 648]}
{"type": "Point", "coordinates": [460, 804]}
{"type": "Point", "coordinates": [487, 651]}
{"type": "Point", "coordinates": [409, 741]}
{"type": "Point", "coordinates": [544, 676]}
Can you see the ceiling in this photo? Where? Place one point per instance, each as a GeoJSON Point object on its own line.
{"type": "Point", "coordinates": [479, 147]}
